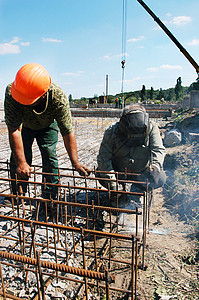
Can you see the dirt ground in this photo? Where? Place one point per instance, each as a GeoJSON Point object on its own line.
{"type": "Point", "coordinates": [170, 246]}
{"type": "Point", "coordinates": [172, 243]}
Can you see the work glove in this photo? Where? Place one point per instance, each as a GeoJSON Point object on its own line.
{"type": "Point", "coordinates": [154, 174]}
{"type": "Point", "coordinates": [113, 186]}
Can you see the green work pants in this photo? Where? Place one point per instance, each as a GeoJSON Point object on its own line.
{"type": "Point", "coordinates": [46, 140]}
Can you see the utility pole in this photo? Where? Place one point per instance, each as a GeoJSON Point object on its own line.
{"type": "Point", "coordinates": [106, 88]}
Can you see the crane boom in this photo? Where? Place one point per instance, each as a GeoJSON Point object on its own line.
{"type": "Point", "coordinates": [172, 37]}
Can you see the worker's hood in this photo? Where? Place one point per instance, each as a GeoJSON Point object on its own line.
{"type": "Point", "coordinates": [133, 128]}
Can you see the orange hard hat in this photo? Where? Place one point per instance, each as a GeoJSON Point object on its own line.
{"type": "Point", "coordinates": [31, 82]}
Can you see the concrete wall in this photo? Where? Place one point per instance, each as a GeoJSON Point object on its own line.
{"type": "Point", "coordinates": [194, 99]}
{"type": "Point", "coordinates": [112, 105]}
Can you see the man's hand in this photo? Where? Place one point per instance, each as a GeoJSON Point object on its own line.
{"type": "Point", "coordinates": [82, 170]}
{"type": "Point", "coordinates": [23, 171]}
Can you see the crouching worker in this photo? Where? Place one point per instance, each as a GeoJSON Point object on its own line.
{"type": "Point", "coordinates": [37, 109]}
{"type": "Point", "coordinates": [134, 145]}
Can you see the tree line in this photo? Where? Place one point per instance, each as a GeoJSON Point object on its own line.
{"type": "Point", "coordinates": [157, 96]}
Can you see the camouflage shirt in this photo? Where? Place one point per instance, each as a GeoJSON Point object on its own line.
{"type": "Point", "coordinates": [57, 109]}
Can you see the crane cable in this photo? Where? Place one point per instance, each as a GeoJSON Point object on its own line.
{"type": "Point", "coordinates": [123, 61]}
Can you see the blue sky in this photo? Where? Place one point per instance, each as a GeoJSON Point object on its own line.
{"type": "Point", "coordinates": [79, 42]}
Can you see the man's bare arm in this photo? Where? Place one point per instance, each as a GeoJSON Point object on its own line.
{"type": "Point", "coordinates": [71, 147]}
{"type": "Point", "coordinates": [16, 144]}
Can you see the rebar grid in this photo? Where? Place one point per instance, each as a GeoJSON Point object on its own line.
{"type": "Point", "coordinates": [79, 227]}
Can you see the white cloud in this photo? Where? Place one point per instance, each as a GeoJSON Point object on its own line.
{"type": "Point", "coordinates": [165, 67]}
{"type": "Point", "coordinates": [15, 40]}
{"type": "Point", "coordinates": [153, 69]}
{"type": "Point", "coordinates": [25, 44]}
{"type": "Point", "coordinates": [115, 56]}
{"type": "Point", "coordinates": [12, 47]}
{"type": "Point", "coordinates": [169, 67]}
{"type": "Point", "coordinates": [73, 74]}
{"type": "Point", "coordinates": [194, 42]}
{"type": "Point", "coordinates": [135, 40]}
{"type": "Point", "coordinates": [111, 56]}
{"type": "Point", "coordinates": [8, 48]}
{"type": "Point", "coordinates": [51, 40]}
{"type": "Point", "coordinates": [176, 21]}
{"type": "Point", "coordinates": [179, 20]}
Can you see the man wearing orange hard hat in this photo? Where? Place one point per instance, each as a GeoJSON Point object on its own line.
{"type": "Point", "coordinates": [36, 108]}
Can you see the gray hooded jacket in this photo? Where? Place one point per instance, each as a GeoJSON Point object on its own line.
{"type": "Point", "coordinates": [115, 155]}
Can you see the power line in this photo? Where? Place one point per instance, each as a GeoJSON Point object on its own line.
{"type": "Point", "coordinates": [123, 61]}
{"type": "Point", "coordinates": [124, 10]}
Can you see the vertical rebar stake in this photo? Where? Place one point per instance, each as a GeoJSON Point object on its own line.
{"type": "Point", "coordinates": [19, 227]}
{"type": "Point", "coordinates": [74, 183]}
{"type": "Point", "coordinates": [144, 229]}
{"type": "Point", "coordinates": [109, 264]}
{"type": "Point", "coordinates": [40, 276]}
{"type": "Point", "coordinates": [35, 188]}
{"type": "Point", "coordinates": [54, 234]}
{"type": "Point", "coordinates": [46, 213]}
{"type": "Point", "coordinates": [66, 223]}
{"type": "Point", "coordinates": [107, 286]}
{"type": "Point", "coordinates": [84, 262]}
{"type": "Point", "coordinates": [86, 202]}
{"type": "Point", "coordinates": [137, 224]}
{"type": "Point", "coordinates": [95, 246]}
{"type": "Point", "coordinates": [132, 267]}
{"type": "Point", "coordinates": [71, 215]}
{"type": "Point", "coordinates": [2, 282]}
{"type": "Point", "coordinates": [23, 216]}
{"type": "Point", "coordinates": [136, 265]}
{"type": "Point", "coordinates": [117, 214]}
{"type": "Point", "coordinates": [8, 169]}
{"type": "Point", "coordinates": [35, 256]}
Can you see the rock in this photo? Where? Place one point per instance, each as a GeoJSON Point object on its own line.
{"type": "Point", "coordinates": [172, 138]}
{"type": "Point", "coordinates": [58, 296]}
{"type": "Point", "coordinates": [193, 136]}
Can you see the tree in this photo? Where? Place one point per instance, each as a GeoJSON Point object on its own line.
{"type": "Point", "coordinates": [151, 93]}
{"type": "Point", "coordinates": [70, 98]}
{"type": "Point", "coordinates": [143, 93]}
{"type": "Point", "coordinates": [179, 89]}
{"type": "Point", "coordinates": [194, 86]}
{"type": "Point", "coordinates": [161, 95]}
{"type": "Point", "coordinates": [171, 95]}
